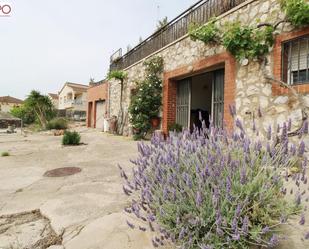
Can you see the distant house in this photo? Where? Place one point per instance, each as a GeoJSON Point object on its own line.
{"type": "Point", "coordinates": [73, 99]}
{"type": "Point", "coordinates": [8, 102]}
{"type": "Point", "coordinates": [54, 99]}
{"type": "Point", "coordinates": [97, 104]}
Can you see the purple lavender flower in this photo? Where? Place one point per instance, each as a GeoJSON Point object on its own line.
{"type": "Point", "coordinates": [130, 225]}
{"type": "Point", "coordinates": [302, 219]}
{"type": "Point", "coordinates": [236, 236]}
{"type": "Point", "coordinates": [269, 132]}
{"type": "Point", "coordinates": [243, 176]}
{"type": "Point", "coordinates": [206, 247]}
{"type": "Point", "coordinates": [245, 225]}
{"type": "Point", "coordinates": [305, 127]}
{"type": "Point", "coordinates": [265, 230]}
{"type": "Point", "coordinates": [154, 243]}
{"type": "Point", "coordinates": [126, 191]}
{"type": "Point", "coordinates": [199, 199]}
{"type": "Point", "coordinates": [274, 240]}
{"type": "Point", "coordinates": [307, 235]}
{"type": "Point", "coordinates": [289, 124]}
{"type": "Point", "coordinates": [239, 124]}
{"type": "Point", "coordinates": [182, 233]}
{"type": "Point", "coordinates": [232, 109]}
{"type": "Point", "coordinates": [301, 149]}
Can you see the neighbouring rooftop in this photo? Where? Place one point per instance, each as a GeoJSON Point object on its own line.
{"type": "Point", "coordinates": [9, 99]}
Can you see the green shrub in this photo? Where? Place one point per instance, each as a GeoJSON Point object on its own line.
{"type": "Point", "coordinates": [175, 127]}
{"type": "Point", "coordinates": [71, 138]}
{"type": "Point", "coordinates": [297, 12]}
{"type": "Point", "coordinates": [57, 124]}
{"type": "Point", "coordinates": [146, 102]}
{"type": "Point", "coordinates": [5, 153]}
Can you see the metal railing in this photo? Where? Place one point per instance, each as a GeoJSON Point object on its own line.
{"type": "Point", "coordinates": [199, 13]}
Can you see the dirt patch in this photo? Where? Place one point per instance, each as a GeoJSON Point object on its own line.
{"type": "Point", "coordinates": [28, 230]}
{"type": "Point", "coordinates": [59, 172]}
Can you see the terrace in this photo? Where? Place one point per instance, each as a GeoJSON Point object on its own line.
{"type": "Point", "coordinates": [199, 13]}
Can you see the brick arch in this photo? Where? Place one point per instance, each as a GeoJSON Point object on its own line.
{"type": "Point", "coordinates": [170, 85]}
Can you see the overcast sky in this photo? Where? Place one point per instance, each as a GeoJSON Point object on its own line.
{"type": "Point", "coordinates": [45, 43]}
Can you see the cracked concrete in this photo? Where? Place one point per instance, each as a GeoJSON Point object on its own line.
{"type": "Point", "coordinates": [85, 209]}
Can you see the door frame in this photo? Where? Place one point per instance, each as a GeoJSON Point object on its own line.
{"type": "Point", "coordinates": [213, 95]}
{"type": "Point", "coordinates": [96, 110]}
{"type": "Point", "coordinates": [189, 81]}
{"type": "Point", "coordinates": [213, 87]}
{"type": "Point", "coordinates": [170, 79]}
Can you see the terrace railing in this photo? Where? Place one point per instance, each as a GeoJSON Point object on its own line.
{"type": "Point", "coordinates": [199, 13]}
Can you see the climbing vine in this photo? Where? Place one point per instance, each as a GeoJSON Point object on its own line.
{"type": "Point", "coordinates": [244, 41]}
{"type": "Point", "coordinates": [207, 33]}
{"type": "Point", "coordinates": [147, 99]}
{"type": "Point", "coordinates": [121, 76]}
{"type": "Point", "coordinates": [297, 12]}
{"type": "Point", "coordinates": [247, 42]}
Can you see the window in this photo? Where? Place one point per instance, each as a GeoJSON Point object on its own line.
{"type": "Point", "coordinates": [295, 61]}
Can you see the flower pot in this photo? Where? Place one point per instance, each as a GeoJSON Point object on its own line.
{"type": "Point", "coordinates": [155, 122]}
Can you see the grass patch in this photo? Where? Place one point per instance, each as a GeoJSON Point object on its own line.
{"type": "Point", "coordinates": [5, 153]}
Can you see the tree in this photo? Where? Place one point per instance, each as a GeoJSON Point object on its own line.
{"type": "Point", "coordinates": [162, 23]}
{"type": "Point", "coordinates": [23, 113]}
{"type": "Point", "coordinates": [91, 81]}
{"type": "Point", "coordinates": [41, 106]}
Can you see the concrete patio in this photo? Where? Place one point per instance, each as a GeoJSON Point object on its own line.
{"type": "Point", "coordinates": [85, 209]}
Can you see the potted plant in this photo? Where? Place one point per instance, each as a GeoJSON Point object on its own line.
{"type": "Point", "coordinates": [155, 122]}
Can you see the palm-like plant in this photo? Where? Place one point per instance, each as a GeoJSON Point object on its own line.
{"type": "Point", "coordinates": [41, 106]}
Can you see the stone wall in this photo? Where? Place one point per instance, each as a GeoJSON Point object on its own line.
{"type": "Point", "coordinates": [253, 90]}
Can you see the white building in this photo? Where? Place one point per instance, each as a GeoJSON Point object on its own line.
{"type": "Point", "coordinates": [73, 97]}
{"type": "Point", "coordinates": [54, 99]}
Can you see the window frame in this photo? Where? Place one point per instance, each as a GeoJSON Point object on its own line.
{"type": "Point", "coordinates": [286, 71]}
{"type": "Point", "coordinates": [280, 40]}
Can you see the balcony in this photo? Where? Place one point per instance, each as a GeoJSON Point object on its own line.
{"type": "Point", "coordinates": [74, 103]}
{"type": "Point", "coordinates": [199, 13]}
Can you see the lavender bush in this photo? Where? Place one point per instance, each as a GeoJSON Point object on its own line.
{"type": "Point", "coordinates": [210, 189]}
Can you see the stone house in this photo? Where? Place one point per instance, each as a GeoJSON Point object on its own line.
{"type": "Point", "coordinates": [97, 98]}
{"type": "Point", "coordinates": [8, 102]}
{"type": "Point", "coordinates": [201, 77]}
{"type": "Point", "coordinates": [73, 99]}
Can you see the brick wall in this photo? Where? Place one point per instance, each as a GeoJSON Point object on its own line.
{"type": "Point", "coordinates": [95, 93]}
{"type": "Point", "coordinates": [276, 88]}
{"type": "Point", "coordinates": [206, 64]}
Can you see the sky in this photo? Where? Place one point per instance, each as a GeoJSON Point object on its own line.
{"type": "Point", "coordinates": [45, 43]}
